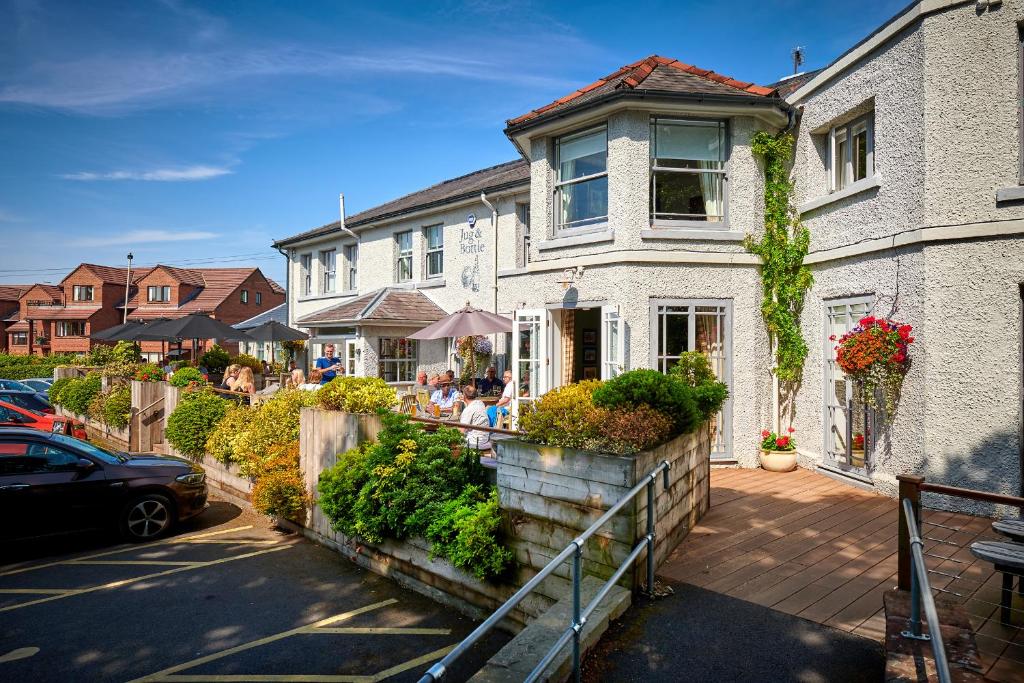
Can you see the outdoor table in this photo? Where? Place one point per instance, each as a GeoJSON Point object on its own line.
{"type": "Point", "coordinates": [1008, 558]}
{"type": "Point", "coordinates": [1011, 528]}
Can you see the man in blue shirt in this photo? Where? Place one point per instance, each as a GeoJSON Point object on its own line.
{"type": "Point", "coordinates": [445, 397]}
{"type": "Point", "coordinates": [330, 365]}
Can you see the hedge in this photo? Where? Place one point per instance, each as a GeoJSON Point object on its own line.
{"type": "Point", "coordinates": [26, 371]}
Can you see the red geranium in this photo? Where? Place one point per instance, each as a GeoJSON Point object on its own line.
{"type": "Point", "coordinates": [874, 354]}
{"type": "Point", "coordinates": [770, 441]}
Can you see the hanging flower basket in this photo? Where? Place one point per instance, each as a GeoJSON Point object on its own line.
{"type": "Point", "coordinates": [475, 351]}
{"type": "Point", "coordinates": [874, 354]}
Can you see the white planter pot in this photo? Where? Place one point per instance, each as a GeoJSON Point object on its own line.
{"type": "Point", "coordinates": [778, 461]}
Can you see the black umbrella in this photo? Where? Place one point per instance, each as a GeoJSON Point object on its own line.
{"type": "Point", "coordinates": [273, 331]}
{"type": "Point", "coordinates": [193, 326]}
{"type": "Point", "coordinates": [119, 332]}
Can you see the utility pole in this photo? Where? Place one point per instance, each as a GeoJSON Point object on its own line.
{"type": "Point", "coordinates": [127, 287]}
{"type": "Point", "coordinates": [798, 59]}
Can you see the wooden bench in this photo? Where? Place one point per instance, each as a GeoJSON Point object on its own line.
{"type": "Point", "coordinates": [1011, 528]}
{"type": "Point", "coordinates": [1008, 558]}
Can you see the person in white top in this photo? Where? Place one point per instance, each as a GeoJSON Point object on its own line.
{"type": "Point", "coordinates": [475, 414]}
{"type": "Point", "coordinates": [315, 375]}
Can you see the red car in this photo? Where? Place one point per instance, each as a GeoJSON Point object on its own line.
{"type": "Point", "coordinates": [16, 416]}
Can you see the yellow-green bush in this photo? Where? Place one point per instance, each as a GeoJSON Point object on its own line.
{"type": "Point", "coordinates": [565, 416]}
{"type": "Point", "coordinates": [273, 423]}
{"type": "Point", "coordinates": [279, 490]}
{"type": "Point", "coordinates": [232, 427]}
{"type": "Point", "coordinates": [356, 395]}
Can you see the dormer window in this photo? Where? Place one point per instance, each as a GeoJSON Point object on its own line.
{"type": "Point", "coordinates": [82, 292]}
{"type": "Point", "coordinates": [581, 185]}
{"type": "Point", "coordinates": [161, 294]}
{"type": "Point", "coordinates": [688, 171]}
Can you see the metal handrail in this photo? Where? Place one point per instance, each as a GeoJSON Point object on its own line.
{"type": "Point", "coordinates": [579, 616]}
{"type": "Point", "coordinates": [921, 597]}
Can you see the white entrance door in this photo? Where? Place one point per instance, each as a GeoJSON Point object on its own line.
{"type": "Point", "coordinates": [529, 354]}
{"type": "Point", "coordinates": [613, 342]}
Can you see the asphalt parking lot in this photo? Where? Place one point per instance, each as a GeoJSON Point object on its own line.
{"type": "Point", "coordinates": [226, 598]}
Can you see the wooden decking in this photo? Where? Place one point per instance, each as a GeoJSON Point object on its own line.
{"type": "Point", "coordinates": [812, 546]}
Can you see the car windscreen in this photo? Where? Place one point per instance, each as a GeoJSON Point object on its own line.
{"type": "Point", "coordinates": [112, 457]}
{"type": "Point", "coordinates": [25, 400]}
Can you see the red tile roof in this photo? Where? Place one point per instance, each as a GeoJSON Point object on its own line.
{"type": "Point", "coordinates": [214, 286]}
{"type": "Point", "coordinates": [52, 291]}
{"type": "Point", "coordinates": [184, 276]}
{"type": "Point", "coordinates": [110, 274]}
{"type": "Point", "coordinates": [654, 73]}
{"type": "Point", "coordinates": [62, 313]}
{"type": "Point", "coordinates": [13, 292]}
{"type": "Point", "coordinates": [388, 304]}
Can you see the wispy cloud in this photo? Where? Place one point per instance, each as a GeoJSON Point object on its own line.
{"type": "Point", "coordinates": [166, 175]}
{"type": "Point", "coordinates": [133, 237]}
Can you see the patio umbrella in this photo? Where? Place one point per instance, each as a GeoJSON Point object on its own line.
{"type": "Point", "coordinates": [464, 322]}
{"type": "Point", "coordinates": [194, 326]}
{"type": "Point", "coordinates": [273, 331]}
{"type": "Point", "coordinates": [116, 332]}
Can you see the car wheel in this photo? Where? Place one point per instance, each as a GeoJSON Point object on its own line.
{"type": "Point", "coordinates": [146, 518]}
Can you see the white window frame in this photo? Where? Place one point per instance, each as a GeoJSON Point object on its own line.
{"type": "Point", "coordinates": [613, 342]}
{"type": "Point", "coordinates": [329, 266]}
{"type": "Point", "coordinates": [403, 255]}
{"type": "Point", "coordinates": [245, 296]}
{"type": "Point", "coordinates": [78, 290]}
{"type": "Point", "coordinates": [534, 323]}
{"type": "Point", "coordinates": [306, 271]}
{"type": "Point", "coordinates": [724, 172]}
{"type": "Point", "coordinates": [845, 134]}
{"type": "Point", "coordinates": [523, 216]}
{"type": "Point", "coordinates": [404, 366]}
{"type": "Point", "coordinates": [431, 251]}
{"type": "Point", "coordinates": [587, 224]}
{"type": "Point", "coordinates": [722, 445]}
{"type": "Point", "coordinates": [63, 331]}
{"type": "Point", "coordinates": [864, 304]}
{"type": "Point", "coordinates": [163, 294]}
{"type": "Point", "coordinates": [19, 338]}
{"type": "Point", "coordinates": [351, 283]}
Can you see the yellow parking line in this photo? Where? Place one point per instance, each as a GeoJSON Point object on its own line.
{"type": "Point", "coordinates": [126, 548]}
{"type": "Point", "coordinates": [241, 541]}
{"type": "Point", "coordinates": [129, 563]}
{"type": "Point", "coordinates": [36, 591]}
{"type": "Point", "coordinates": [412, 663]}
{"type": "Point", "coordinates": [125, 582]}
{"type": "Point", "coordinates": [165, 674]}
{"type": "Point", "coordinates": [384, 631]}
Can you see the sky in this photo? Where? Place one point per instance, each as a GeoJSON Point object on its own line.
{"type": "Point", "coordinates": [196, 133]}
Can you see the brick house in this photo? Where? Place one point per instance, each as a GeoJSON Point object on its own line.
{"type": "Point", "coordinates": [61, 318]}
{"type": "Point", "coordinates": [10, 309]}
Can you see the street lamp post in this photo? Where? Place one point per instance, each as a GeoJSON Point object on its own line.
{"type": "Point", "coordinates": [127, 286]}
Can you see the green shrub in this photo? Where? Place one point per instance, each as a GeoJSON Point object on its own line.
{"type": "Point", "coordinates": [565, 416]}
{"type": "Point", "coordinates": [356, 395]}
{"type": "Point", "coordinates": [149, 372]}
{"type": "Point", "coordinates": [279, 490]}
{"type": "Point", "coordinates": [629, 431]}
{"type": "Point", "coordinates": [185, 376]}
{"type": "Point", "coordinates": [465, 530]}
{"type": "Point", "coordinates": [252, 440]}
{"type": "Point", "coordinates": [247, 361]}
{"type": "Point", "coordinates": [100, 354]}
{"type": "Point", "coordinates": [664, 393]}
{"type": "Point", "coordinates": [77, 393]}
{"type": "Point", "coordinates": [193, 420]}
{"type": "Point", "coordinates": [117, 410]}
{"type": "Point", "coordinates": [57, 390]}
{"type": "Point", "coordinates": [26, 370]}
{"type": "Point", "coordinates": [694, 369]}
{"type": "Point", "coordinates": [120, 369]}
{"type": "Point", "coordinates": [126, 352]}
{"type": "Point", "coordinates": [235, 425]}
{"type": "Point", "coordinates": [216, 359]}
{"type": "Point", "coordinates": [7, 359]}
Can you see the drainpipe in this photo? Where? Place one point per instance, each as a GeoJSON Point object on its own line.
{"type": "Point", "coordinates": [494, 272]}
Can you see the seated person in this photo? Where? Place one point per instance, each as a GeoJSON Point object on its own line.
{"type": "Point", "coordinates": [475, 414]}
{"type": "Point", "coordinates": [451, 376]}
{"type": "Point", "coordinates": [315, 378]}
{"type": "Point", "coordinates": [423, 383]}
{"type": "Point", "coordinates": [445, 397]}
{"type": "Point", "coordinates": [505, 402]}
{"type": "Point", "coordinates": [297, 379]}
{"type": "Point", "coordinates": [490, 384]}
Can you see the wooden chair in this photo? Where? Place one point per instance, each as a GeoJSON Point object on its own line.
{"type": "Point", "coordinates": [407, 402]}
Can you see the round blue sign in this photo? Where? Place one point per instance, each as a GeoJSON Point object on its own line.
{"type": "Point", "coordinates": [471, 219]}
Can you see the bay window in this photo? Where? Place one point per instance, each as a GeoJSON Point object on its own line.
{"type": "Point", "coordinates": [397, 359]}
{"type": "Point", "coordinates": [19, 338]}
{"type": "Point", "coordinates": [581, 184]}
{"type": "Point", "coordinates": [403, 256]}
{"type": "Point", "coordinates": [688, 171]}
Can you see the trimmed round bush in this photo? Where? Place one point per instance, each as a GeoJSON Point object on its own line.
{"type": "Point", "coordinates": [185, 376]}
{"type": "Point", "coordinates": [356, 395]}
{"type": "Point", "coordinates": [694, 369]}
{"type": "Point", "coordinates": [193, 420]}
{"type": "Point", "coordinates": [664, 393]}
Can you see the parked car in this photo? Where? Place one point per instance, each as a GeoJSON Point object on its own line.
{"type": "Point", "coordinates": [14, 385]}
{"type": "Point", "coordinates": [27, 399]}
{"type": "Point", "coordinates": [39, 384]}
{"type": "Point", "coordinates": [16, 416]}
{"type": "Point", "coordinates": [52, 483]}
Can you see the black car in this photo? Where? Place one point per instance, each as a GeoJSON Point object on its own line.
{"type": "Point", "coordinates": [27, 399]}
{"type": "Point", "coordinates": [51, 483]}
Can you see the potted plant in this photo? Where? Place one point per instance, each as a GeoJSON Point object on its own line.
{"type": "Point", "coordinates": [778, 453]}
